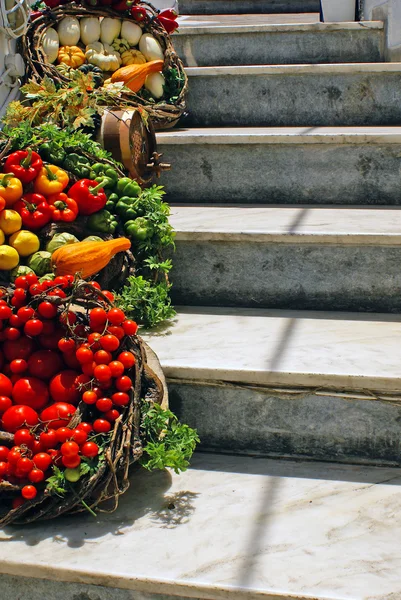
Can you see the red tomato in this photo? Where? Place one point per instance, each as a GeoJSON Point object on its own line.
{"type": "Point", "coordinates": [36, 475]}
{"type": "Point", "coordinates": [48, 438]}
{"type": "Point", "coordinates": [88, 368]}
{"type": "Point", "coordinates": [42, 461]}
{"type": "Point", "coordinates": [23, 437]}
{"type": "Point", "coordinates": [33, 327]}
{"type": "Point", "coordinates": [109, 342]}
{"type": "Point", "coordinates": [36, 447]}
{"type": "Point", "coordinates": [50, 341]}
{"type": "Point", "coordinates": [89, 397]}
{"type": "Point", "coordinates": [44, 364]}
{"type": "Point", "coordinates": [3, 468]}
{"type": "Point", "coordinates": [108, 295]}
{"type": "Point", "coordinates": [97, 316]}
{"type": "Point", "coordinates": [120, 399]}
{"type": "Point", "coordinates": [31, 278]}
{"type": "Point", "coordinates": [127, 358]}
{"type": "Point", "coordinates": [116, 316]}
{"type": "Point", "coordinates": [24, 465]}
{"type": "Point", "coordinates": [31, 391]}
{"type": "Point", "coordinates": [4, 452]}
{"type": "Point", "coordinates": [93, 340]}
{"type": "Point", "coordinates": [117, 331]}
{"type": "Point", "coordinates": [69, 317]}
{"type": "Point", "coordinates": [104, 404]}
{"type": "Point", "coordinates": [71, 462]}
{"type": "Point", "coordinates": [15, 321]}
{"type": "Point", "coordinates": [124, 383]}
{"type": "Point", "coordinates": [17, 502]}
{"type": "Point", "coordinates": [101, 426]}
{"type": "Point", "coordinates": [79, 436]}
{"type": "Point", "coordinates": [18, 416]}
{"type": "Point", "coordinates": [5, 312]}
{"type": "Point", "coordinates": [48, 328]}
{"type": "Point", "coordinates": [35, 289]}
{"type": "Point", "coordinates": [84, 355]}
{"type": "Point", "coordinates": [90, 449]}
{"type": "Point", "coordinates": [102, 373]}
{"type": "Point", "coordinates": [5, 403]}
{"type": "Point", "coordinates": [57, 415]}
{"type": "Point", "coordinates": [63, 434]}
{"type": "Point", "coordinates": [21, 348]}
{"type": "Point", "coordinates": [25, 313]}
{"type": "Point", "coordinates": [63, 387]}
{"type": "Point", "coordinates": [19, 294]}
{"type": "Point", "coordinates": [69, 449]}
{"type": "Point", "coordinates": [12, 333]}
{"type": "Point", "coordinates": [87, 427]}
{"type": "Point", "coordinates": [61, 281]}
{"type": "Point", "coordinates": [19, 365]}
{"type": "Point", "coordinates": [130, 327]}
{"type": "Point", "coordinates": [29, 492]}
{"type": "Point", "coordinates": [95, 284]}
{"type": "Point", "coordinates": [22, 282]}
{"type": "Point", "coordinates": [102, 357]}
{"type": "Point", "coordinates": [47, 309]}
{"type": "Point", "coordinates": [14, 455]}
{"type": "Point", "coordinates": [111, 415]}
{"type": "Point", "coordinates": [117, 368]}
{"type": "Point", "coordinates": [66, 344]}
{"type": "Point", "coordinates": [6, 387]}
{"type": "Point", "coordinates": [71, 360]}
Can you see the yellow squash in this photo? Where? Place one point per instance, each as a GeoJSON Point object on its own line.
{"type": "Point", "coordinates": [87, 258]}
{"type": "Point", "coordinates": [134, 76]}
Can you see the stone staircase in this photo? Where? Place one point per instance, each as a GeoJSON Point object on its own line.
{"type": "Point", "coordinates": [285, 194]}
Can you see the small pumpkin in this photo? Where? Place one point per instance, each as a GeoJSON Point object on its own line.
{"type": "Point", "coordinates": [132, 57]}
{"type": "Point", "coordinates": [103, 56]}
{"type": "Point", "coordinates": [120, 45]}
{"type": "Point", "coordinates": [71, 56]}
{"type": "Point", "coordinates": [95, 72]}
{"type": "Point", "coordinates": [134, 76]}
{"type": "Point", "coordinates": [87, 258]}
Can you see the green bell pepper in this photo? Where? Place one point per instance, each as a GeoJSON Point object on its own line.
{"type": "Point", "coordinates": [102, 221]}
{"type": "Point", "coordinates": [52, 152]}
{"type": "Point", "coordinates": [126, 208]}
{"type": "Point", "coordinates": [112, 200]}
{"type": "Point", "coordinates": [128, 187]}
{"type": "Point", "coordinates": [78, 165]}
{"type": "Point", "coordinates": [104, 173]}
{"type": "Point", "coordinates": [139, 229]}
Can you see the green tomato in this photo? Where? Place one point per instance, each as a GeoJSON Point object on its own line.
{"type": "Point", "coordinates": [72, 475]}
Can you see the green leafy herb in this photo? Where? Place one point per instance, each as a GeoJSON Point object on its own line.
{"type": "Point", "coordinates": [146, 302]}
{"type": "Point", "coordinates": [167, 443]}
{"type": "Point", "coordinates": [56, 484]}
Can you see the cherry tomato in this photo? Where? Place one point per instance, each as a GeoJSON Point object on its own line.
{"type": "Point", "coordinates": [55, 455]}
{"type": "Point", "coordinates": [70, 279]}
{"type": "Point", "coordinates": [17, 302]}
{"type": "Point", "coordinates": [71, 462]}
{"type": "Point", "coordinates": [42, 461]}
{"type": "Point", "coordinates": [22, 282]}
{"type": "Point", "coordinates": [23, 437]}
{"type": "Point", "coordinates": [18, 416]}
{"type": "Point", "coordinates": [127, 359]}
{"type": "Point", "coordinates": [66, 345]}
{"type": "Point", "coordinates": [79, 436]}
{"type": "Point", "coordinates": [19, 293]}
{"type": "Point", "coordinates": [36, 447]}
{"type": "Point", "coordinates": [102, 373]}
{"type": "Point", "coordinates": [130, 327]}
{"type": "Point", "coordinates": [14, 321]}
{"type": "Point", "coordinates": [117, 331]}
{"type": "Point", "coordinates": [36, 475]}
{"type": "Point", "coordinates": [50, 341]}
{"type": "Point", "coordinates": [18, 365]}
{"type": "Point", "coordinates": [57, 293]}
{"type": "Point", "coordinates": [29, 492]}
{"type": "Point", "coordinates": [33, 327]}
{"type": "Point", "coordinates": [17, 502]}
{"type": "Point", "coordinates": [63, 434]}
{"type": "Point", "coordinates": [14, 455]}
{"type": "Point", "coordinates": [4, 452]}
{"type": "Point", "coordinates": [21, 348]}
{"type": "Point", "coordinates": [95, 284]}
{"type": "Point", "coordinates": [31, 278]}
{"type": "Point", "coordinates": [97, 316]}
{"type": "Point", "coordinates": [104, 404]}
{"type": "Point", "coordinates": [124, 383]}
{"type": "Point", "coordinates": [47, 310]}
{"type": "Point", "coordinates": [24, 465]}
{"type": "Point", "coordinates": [93, 340]}
{"type": "Point", "coordinates": [70, 318]}
{"type": "Point", "coordinates": [84, 355]}
{"type": "Point", "coordinates": [109, 342]}
{"type": "Point", "coordinates": [87, 427]}
{"type": "Point", "coordinates": [90, 449]}
{"type": "Point", "coordinates": [111, 415]}
{"type": "Point", "coordinates": [105, 385]}
{"type": "Point", "coordinates": [63, 387]}
{"type": "Point", "coordinates": [35, 289]}
{"type": "Point", "coordinates": [31, 391]}
{"type": "Point", "coordinates": [5, 312]}
{"type": "Point", "coordinates": [5, 403]}
{"type": "Point", "coordinates": [6, 387]}
{"type": "Point", "coordinates": [71, 360]}
{"type": "Point", "coordinates": [48, 438]}
{"type": "Point", "coordinates": [88, 368]}
{"type": "Point", "coordinates": [120, 399]}
{"type": "Point", "coordinates": [44, 364]}
{"type": "Point", "coordinates": [89, 397]}
{"type": "Point", "coordinates": [108, 295]}
{"type": "Point", "coordinates": [69, 449]}
{"type": "Point", "coordinates": [117, 368]}
{"type": "Point", "coordinates": [61, 281]}
{"type": "Point", "coordinates": [101, 426]}
{"type": "Point", "coordinates": [57, 415]}
{"type": "Point", "coordinates": [12, 333]}
{"type": "Point", "coordinates": [115, 316]}
{"type": "Point", "coordinates": [3, 468]}
{"type": "Point", "coordinates": [102, 357]}
{"type": "Point", "coordinates": [25, 314]}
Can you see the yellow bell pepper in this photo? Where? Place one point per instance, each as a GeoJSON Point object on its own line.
{"type": "Point", "coordinates": [51, 180]}
{"type": "Point", "coordinates": [10, 189]}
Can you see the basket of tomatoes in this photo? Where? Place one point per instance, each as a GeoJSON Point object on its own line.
{"type": "Point", "coordinates": [73, 385]}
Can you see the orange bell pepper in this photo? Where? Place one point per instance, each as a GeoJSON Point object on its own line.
{"type": "Point", "coordinates": [10, 189]}
{"type": "Point", "coordinates": [51, 180]}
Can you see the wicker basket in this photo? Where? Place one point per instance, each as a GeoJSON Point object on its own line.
{"type": "Point", "coordinates": [103, 488]}
{"type": "Point", "coordinates": [163, 115]}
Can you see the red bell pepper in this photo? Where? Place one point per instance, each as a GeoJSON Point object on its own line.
{"type": "Point", "coordinates": [89, 195]}
{"type": "Point", "coordinates": [122, 5]}
{"type": "Point", "coordinates": [63, 208]}
{"type": "Point", "coordinates": [52, 3]}
{"type": "Point", "coordinates": [25, 164]}
{"type": "Point", "coordinates": [168, 13]}
{"type": "Point", "coordinates": [34, 210]}
{"type": "Point", "coordinates": [138, 13]}
{"type": "Point", "coordinates": [169, 24]}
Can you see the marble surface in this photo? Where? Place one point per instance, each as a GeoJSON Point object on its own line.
{"type": "Point", "coordinates": [317, 69]}
{"type": "Point", "coordinates": [283, 348]}
{"type": "Point", "coordinates": [281, 135]}
{"type": "Point", "coordinates": [288, 224]}
{"type": "Point", "coordinates": [254, 528]}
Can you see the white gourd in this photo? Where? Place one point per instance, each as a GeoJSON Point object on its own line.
{"type": "Point", "coordinates": [131, 32]}
{"type": "Point", "coordinates": [109, 30]}
{"type": "Point", "coordinates": [69, 31]}
{"type": "Point", "coordinates": [103, 56]}
{"type": "Point", "coordinates": [51, 44]}
{"type": "Point", "coordinates": [154, 83]}
{"type": "Point", "coordinates": [150, 48]}
{"type": "Point", "coordinates": [90, 30]}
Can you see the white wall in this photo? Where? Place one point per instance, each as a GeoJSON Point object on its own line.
{"type": "Point", "coordinates": [390, 12]}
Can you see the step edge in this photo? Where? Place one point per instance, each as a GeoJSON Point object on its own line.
{"type": "Point", "coordinates": [191, 30]}
{"type": "Point", "coordinates": [301, 69]}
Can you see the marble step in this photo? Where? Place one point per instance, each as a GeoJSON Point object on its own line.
{"type": "Point", "coordinates": [321, 385]}
{"type": "Point", "coordinates": [260, 39]}
{"type": "Point", "coordinates": [227, 528]}
{"type": "Point", "coordinates": [295, 95]}
{"type": "Point", "coordinates": [318, 258]}
{"type": "Point", "coordinates": [310, 165]}
{"type": "Point", "coordinates": [219, 7]}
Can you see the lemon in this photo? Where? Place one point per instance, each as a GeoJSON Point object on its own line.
{"type": "Point", "coordinates": [25, 242]}
{"type": "Point", "coordinates": [10, 221]}
{"type": "Point", "coordinates": [2, 237]}
{"type": "Point", "coordinates": [9, 258]}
